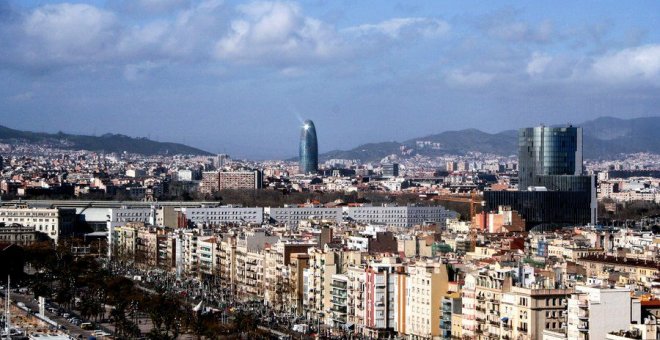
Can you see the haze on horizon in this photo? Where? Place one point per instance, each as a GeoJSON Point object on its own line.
{"type": "Point", "coordinates": [239, 77]}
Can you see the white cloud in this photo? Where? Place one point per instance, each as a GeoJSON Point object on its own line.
{"type": "Point", "coordinates": [462, 78]}
{"type": "Point", "coordinates": [538, 63]}
{"type": "Point", "coordinates": [397, 27]}
{"type": "Point", "coordinates": [276, 32]}
{"type": "Point", "coordinates": [161, 5]}
{"type": "Point", "coordinates": [506, 25]}
{"type": "Point", "coordinates": [22, 97]}
{"type": "Point", "coordinates": [134, 72]}
{"type": "Point", "coordinates": [68, 32]}
{"type": "Point", "coordinates": [631, 64]}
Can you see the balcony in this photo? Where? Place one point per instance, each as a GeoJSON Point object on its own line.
{"type": "Point", "coordinates": [521, 329]}
{"type": "Point", "coordinates": [339, 293]}
{"type": "Point", "coordinates": [338, 309]}
{"type": "Point", "coordinates": [444, 324]}
{"type": "Point", "coordinates": [340, 285]}
{"type": "Point", "coordinates": [583, 315]}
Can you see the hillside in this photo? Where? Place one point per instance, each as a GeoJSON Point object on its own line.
{"type": "Point", "coordinates": [603, 138]}
{"type": "Point", "coordinates": [106, 143]}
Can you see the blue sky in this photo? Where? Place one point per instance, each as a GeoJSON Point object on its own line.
{"type": "Point", "coordinates": [239, 77]}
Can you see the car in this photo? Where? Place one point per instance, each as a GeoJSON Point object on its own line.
{"type": "Point", "coordinates": [66, 315]}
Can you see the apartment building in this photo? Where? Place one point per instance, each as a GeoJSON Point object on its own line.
{"type": "Point", "coordinates": [469, 308]}
{"type": "Point", "coordinates": [323, 264]}
{"type": "Point", "coordinates": [426, 283]}
{"type": "Point", "coordinates": [299, 262]}
{"type": "Point", "coordinates": [356, 312]}
{"type": "Point", "coordinates": [638, 271]}
{"type": "Point", "coordinates": [339, 308]}
{"type": "Point", "coordinates": [210, 182]}
{"type": "Point", "coordinates": [227, 263]}
{"type": "Point", "coordinates": [278, 277]}
{"type": "Point", "coordinates": [379, 298]}
{"type": "Point", "coordinates": [213, 181]}
{"type": "Point", "coordinates": [118, 217]}
{"type": "Point", "coordinates": [593, 312]}
{"type": "Point", "coordinates": [526, 312]}
{"type": "Point", "coordinates": [209, 259]}
{"type": "Point", "coordinates": [249, 264]}
{"type": "Point", "coordinates": [239, 180]}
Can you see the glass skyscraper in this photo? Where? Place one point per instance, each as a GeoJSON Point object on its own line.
{"type": "Point", "coordinates": [550, 164]}
{"type": "Point", "coordinates": [309, 151]}
{"type": "Point", "coordinates": [548, 151]}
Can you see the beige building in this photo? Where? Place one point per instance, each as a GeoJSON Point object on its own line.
{"type": "Point", "coordinates": [323, 263]}
{"type": "Point", "coordinates": [277, 273]}
{"type": "Point", "coordinates": [210, 182]}
{"type": "Point", "coordinates": [426, 283]}
{"type": "Point", "coordinates": [639, 271]}
{"type": "Point", "coordinates": [299, 262]}
{"type": "Point", "coordinates": [17, 234]}
{"type": "Point", "coordinates": [239, 180]}
{"type": "Point", "coordinates": [55, 223]}
{"type": "Point", "coordinates": [526, 312]}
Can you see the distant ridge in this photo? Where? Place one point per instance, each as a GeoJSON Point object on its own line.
{"type": "Point", "coordinates": [107, 143]}
{"type": "Point", "coordinates": [603, 138]}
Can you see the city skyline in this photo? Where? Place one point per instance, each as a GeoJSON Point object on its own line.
{"type": "Point", "coordinates": [405, 70]}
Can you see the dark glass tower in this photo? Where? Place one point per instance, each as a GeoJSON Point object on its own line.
{"type": "Point", "coordinates": [551, 158]}
{"type": "Point", "coordinates": [548, 151]}
{"type": "Point", "coordinates": [309, 151]}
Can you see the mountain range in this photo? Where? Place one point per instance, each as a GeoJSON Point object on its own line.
{"type": "Point", "coordinates": [106, 143]}
{"type": "Point", "coordinates": [602, 138]}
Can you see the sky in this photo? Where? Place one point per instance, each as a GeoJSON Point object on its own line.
{"type": "Point", "coordinates": [239, 77]}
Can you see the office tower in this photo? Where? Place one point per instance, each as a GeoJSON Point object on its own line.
{"type": "Point", "coordinates": [548, 151]}
{"type": "Point", "coordinates": [391, 170]}
{"type": "Point", "coordinates": [309, 153]}
{"type": "Point", "coordinates": [552, 190]}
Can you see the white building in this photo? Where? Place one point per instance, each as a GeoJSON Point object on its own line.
{"type": "Point", "coordinates": [406, 216]}
{"type": "Point", "coordinates": [54, 222]}
{"type": "Point", "coordinates": [223, 215]}
{"type": "Point", "coordinates": [293, 215]}
{"type": "Point", "coordinates": [120, 216]}
{"type": "Point", "coordinates": [594, 311]}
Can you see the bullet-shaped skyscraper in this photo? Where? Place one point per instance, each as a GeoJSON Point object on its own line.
{"type": "Point", "coordinates": [309, 152]}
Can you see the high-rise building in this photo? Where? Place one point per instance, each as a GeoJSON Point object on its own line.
{"type": "Point", "coordinates": [552, 189]}
{"type": "Point", "coordinates": [545, 151]}
{"type": "Point", "coordinates": [309, 152]}
{"type": "Point", "coordinates": [391, 170]}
